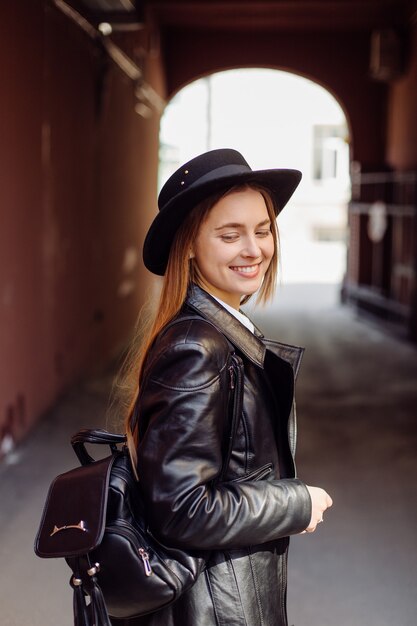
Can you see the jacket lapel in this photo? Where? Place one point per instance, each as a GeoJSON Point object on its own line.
{"type": "Point", "coordinates": [240, 336]}
{"type": "Point", "coordinates": [253, 346]}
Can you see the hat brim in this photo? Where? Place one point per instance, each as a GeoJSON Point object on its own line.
{"type": "Point", "coordinates": [281, 183]}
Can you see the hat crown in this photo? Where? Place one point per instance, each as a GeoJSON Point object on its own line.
{"type": "Point", "coordinates": [197, 168]}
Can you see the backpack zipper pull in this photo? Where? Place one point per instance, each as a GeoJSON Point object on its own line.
{"type": "Point", "coordinates": [146, 564]}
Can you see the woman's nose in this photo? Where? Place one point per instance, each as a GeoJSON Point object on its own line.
{"type": "Point", "coordinates": [252, 248]}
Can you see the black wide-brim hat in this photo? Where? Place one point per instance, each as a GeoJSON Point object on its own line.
{"type": "Point", "coordinates": [203, 176]}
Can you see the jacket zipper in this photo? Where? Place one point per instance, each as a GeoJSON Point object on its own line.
{"type": "Point", "coordinates": [236, 386]}
{"type": "Point", "coordinates": [232, 377]}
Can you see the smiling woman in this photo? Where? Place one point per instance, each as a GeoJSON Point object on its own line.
{"type": "Point", "coordinates": [213, 479]}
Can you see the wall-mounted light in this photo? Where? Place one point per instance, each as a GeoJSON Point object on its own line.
{"type": "Point", "coordinates": [147, 99]}
{"type": "Point", "coordinates": [105, 29]}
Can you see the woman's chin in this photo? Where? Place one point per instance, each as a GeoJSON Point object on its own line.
{"type": "Point", "coordinates": [250, 290]}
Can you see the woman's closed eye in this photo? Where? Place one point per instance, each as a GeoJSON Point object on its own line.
{"type": "Point", "coordinates": [230, 237]}
{"type": "Point", "coordinates": [263, 233]}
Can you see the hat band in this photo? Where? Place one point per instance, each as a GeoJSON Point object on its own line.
{"type": "Point", "coordinates": [221, 172]}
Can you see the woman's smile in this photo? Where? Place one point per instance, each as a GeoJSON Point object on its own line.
{"type": "Point", "coordinates": [249, 271]}
{"type": "Point", "coordinates": [234, 246]}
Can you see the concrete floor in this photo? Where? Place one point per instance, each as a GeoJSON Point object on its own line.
{"type": "Point", "coordinates": [357, 406]}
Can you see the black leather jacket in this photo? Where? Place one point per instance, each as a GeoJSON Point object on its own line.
{"type": "Point", "coordinates": [245, 518]}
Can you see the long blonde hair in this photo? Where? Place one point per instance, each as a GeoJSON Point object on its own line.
{"type": "Point", "coordinates": [181, 271]}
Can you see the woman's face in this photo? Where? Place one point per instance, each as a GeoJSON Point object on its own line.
{"type": "Point", "coordinates": [234, 246]}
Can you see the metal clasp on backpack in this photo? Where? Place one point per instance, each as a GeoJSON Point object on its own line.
{"type": "Point", "coordinates": [80, 526]}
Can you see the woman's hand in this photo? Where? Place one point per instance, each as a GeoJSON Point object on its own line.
{"type": "Point", "coordinates": [320, 502]}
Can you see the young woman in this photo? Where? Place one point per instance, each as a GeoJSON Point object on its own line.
{"type": "Point", "coordinates": [215, 242]}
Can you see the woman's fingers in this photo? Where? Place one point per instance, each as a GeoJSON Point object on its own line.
{"type": "Point", "coordinates": [320, 502]}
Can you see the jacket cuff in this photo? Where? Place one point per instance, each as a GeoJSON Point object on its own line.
{"type": "Point", "coordinates": [302, 506]}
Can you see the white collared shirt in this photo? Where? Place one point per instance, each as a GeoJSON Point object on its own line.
{"type": "Point", "coordinates": [238, 315]}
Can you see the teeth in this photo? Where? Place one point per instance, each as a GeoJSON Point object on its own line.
{"type": "Point", "coordinates": [246, 269]}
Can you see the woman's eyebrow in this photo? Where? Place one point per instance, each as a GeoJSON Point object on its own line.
{"type": "Point", "coordinates": [237, 225]}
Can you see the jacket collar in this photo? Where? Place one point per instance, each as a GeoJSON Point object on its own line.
{"type": "Point", "coordinates": [240, 336]}
{"type": "Point", "coordinates": [252, 345]}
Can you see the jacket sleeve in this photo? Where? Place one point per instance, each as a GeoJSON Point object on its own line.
{"type": "Point", "coordinates": [183, 405]}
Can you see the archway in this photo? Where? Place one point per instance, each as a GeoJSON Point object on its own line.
{"type": "Point", "coordinates": [276, 119]}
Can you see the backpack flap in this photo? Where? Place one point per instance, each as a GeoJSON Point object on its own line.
{"type": "Point", "coordinates": [74, 515]}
